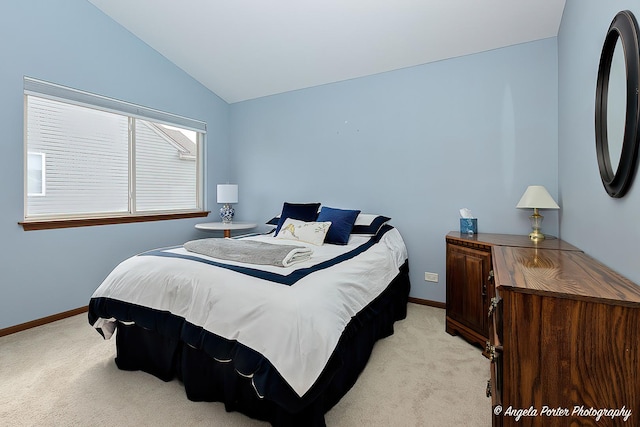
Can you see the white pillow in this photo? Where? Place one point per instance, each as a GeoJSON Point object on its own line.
{"type": "Point", "coordinates": [309, 232]}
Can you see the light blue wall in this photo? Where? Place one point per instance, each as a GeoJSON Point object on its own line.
{"type": "Point", "coordinates": [416, 144]}
{"type": "Point", "coordinates": [607, 229]}
{"type": "Point", "coordinates": [74, 44]}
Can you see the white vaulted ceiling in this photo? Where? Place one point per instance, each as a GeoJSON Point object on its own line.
{"type": "Point", "coordinates": [245, 49]}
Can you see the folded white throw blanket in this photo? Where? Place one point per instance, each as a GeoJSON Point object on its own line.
{"type": "Point", "coordinates": [250, 251]}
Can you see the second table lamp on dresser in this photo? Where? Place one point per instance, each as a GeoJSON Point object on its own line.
{"type": "Point", "coordinates": [536, 197]}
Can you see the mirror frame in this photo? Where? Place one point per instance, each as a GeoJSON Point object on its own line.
{"type": "Point", "coordinates": [625, 28]}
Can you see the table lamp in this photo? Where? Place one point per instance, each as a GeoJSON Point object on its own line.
{"type": "Point", "coordinates": [227, 194]}
{"type": "Point", "coordinates": [536, 197]}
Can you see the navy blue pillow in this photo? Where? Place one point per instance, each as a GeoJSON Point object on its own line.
{"type": "Point", "coordinates": [342, 221]}
{"type": "Point", "coordinates": [301, 211]}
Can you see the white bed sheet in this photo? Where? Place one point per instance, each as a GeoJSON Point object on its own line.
{"type": "Point", "coordinates": [295, 327]}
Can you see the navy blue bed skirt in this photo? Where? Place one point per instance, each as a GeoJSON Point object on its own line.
{"type": "Point", "coordinates": [168, 347]}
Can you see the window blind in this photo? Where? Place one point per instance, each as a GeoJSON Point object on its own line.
{"type": "Point", "coordinates": [54, 91]}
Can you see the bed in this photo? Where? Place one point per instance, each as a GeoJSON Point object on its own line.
{"type": "Point", "coordinates": [278, 343]}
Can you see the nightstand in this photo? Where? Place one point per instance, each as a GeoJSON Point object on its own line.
{"type": "Point", "coordinates": [226, 227]}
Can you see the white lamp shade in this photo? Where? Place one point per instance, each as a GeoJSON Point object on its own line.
{"type": "Point", "coordinates": [227, 193]}
{"type": "Point", "coordinates": [536, 196]}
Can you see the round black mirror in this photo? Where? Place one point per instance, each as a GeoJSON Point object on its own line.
{"type": "Point", "coordinates": [617, 109]}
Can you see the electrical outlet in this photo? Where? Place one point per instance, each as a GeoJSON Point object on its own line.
{"type": "Point", "coordinates": [431, 277]}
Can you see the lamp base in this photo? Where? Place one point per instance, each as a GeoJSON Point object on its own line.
{"type": "Point", "coordinates": [536, 221]}
{"type": "Point", "coordinates": [226, 213]}
{"type": "Point", "coordinates": [536, 236]}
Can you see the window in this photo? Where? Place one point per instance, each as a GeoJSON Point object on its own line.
{"type": "Point", "coordinates": [91, 157]}
{"type": "Point", "coordinates": [35, 174]}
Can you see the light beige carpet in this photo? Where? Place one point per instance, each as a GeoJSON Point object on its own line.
{"type": "Point", "coordinates": [64, 374]}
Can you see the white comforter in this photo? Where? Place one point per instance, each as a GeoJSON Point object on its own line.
{"type": "Point", "coordinates": [295, 327]}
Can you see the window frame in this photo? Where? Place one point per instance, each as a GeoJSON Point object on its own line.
{"type": "Point", "coordinates": [55, 92]}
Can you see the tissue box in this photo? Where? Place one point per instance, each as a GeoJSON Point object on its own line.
{"type": "Point", "coordinates": [468, 225]}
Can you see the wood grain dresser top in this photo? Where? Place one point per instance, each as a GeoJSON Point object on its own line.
{"type": "Point", "coordinates": [571, 274]}
{"type": "Point", "coordinates": [491, 239]}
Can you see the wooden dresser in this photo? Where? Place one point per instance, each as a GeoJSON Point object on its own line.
{"type": "Point", "coordinates": [470, 284]}
{"type": "Point", "coordinates": [564, 334]}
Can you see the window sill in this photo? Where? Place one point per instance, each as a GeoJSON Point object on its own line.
{"type": "Point", "coordinates": [87, 222]}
